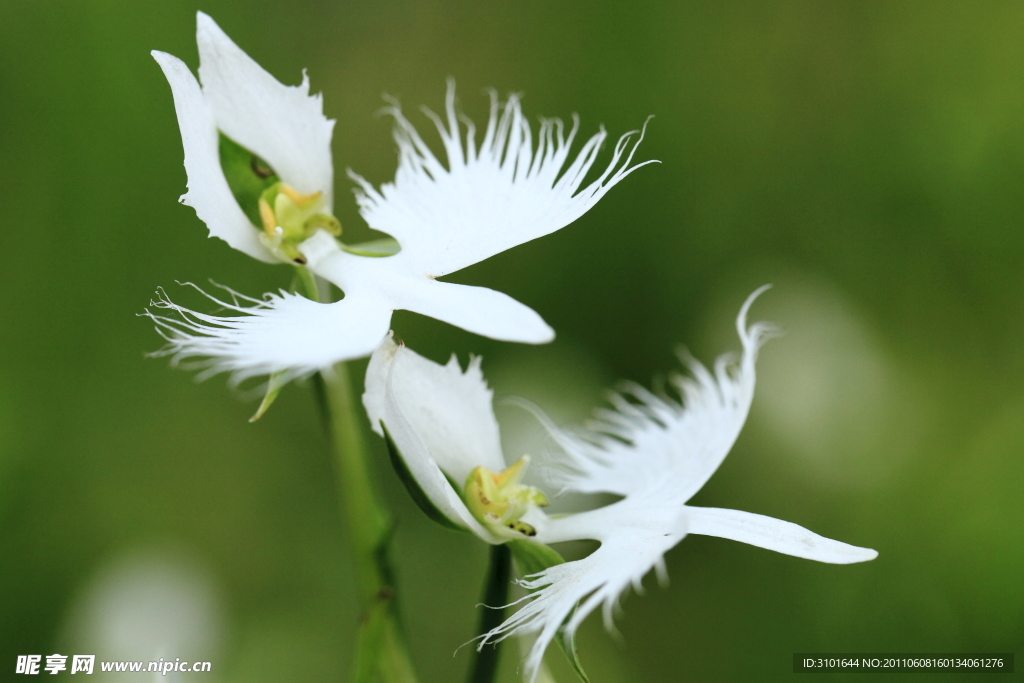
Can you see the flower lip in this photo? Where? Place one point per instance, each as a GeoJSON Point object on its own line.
{"type": "Point", "coordinates": [656, 452]}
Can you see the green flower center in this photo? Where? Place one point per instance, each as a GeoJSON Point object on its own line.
{"type": "Point", "coordinates": [500, 500]}
{"type": "Point", "coordinates": [290, 218]}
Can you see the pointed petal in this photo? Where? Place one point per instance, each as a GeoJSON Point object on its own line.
{"type": "Point", "coordinates": [647, 438]}
{"type": "Point", "coordinates": [283, 124]}
{"type": "Point", "coordinates": [208, 191]}
{"type": "Point", "coordinates": [283, 332]}
{"type": "Point", "coordinates": [774, 534]}
{"type": "Point", "coordinates": [449, 410]}
{"type": "Point", "coordinates": [479, 310]}
{"type": "Point", "coordinates": [489, 199]}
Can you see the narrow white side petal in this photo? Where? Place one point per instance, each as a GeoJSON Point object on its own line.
{"type": "Point", "coordinates": [283, 332]}
{"type": "Point", "coordinates": [449, 410]}
{"type": "Point", "coordinates": [479, 310]}
{"type": "Point", "coordinates": [487, 199]}
{"type": "Point", "coordinates": [283, 124]}
{"type": "Point", "coordinates": [208, 191]}
{"type": "Point", "coordinates": [645, 438]}
{"type": "Point", "coordinates": [774, 534]}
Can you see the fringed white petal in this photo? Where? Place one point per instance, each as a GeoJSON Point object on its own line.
{"type": "Point", "coordinates": [208, 191]}
{"type": "Point", "coordinates": [487, 199]}
{"type": "Point", "coordinates": [774, 534]}
{"type": "Point", "coordinates": [635, 533]}
{"type": "Point", "coordinates": [449, 410]}
{"type": "Point", "coordinates": [281, 333]}
{"type": "Point", "coordinates": [283, 124]}
{"type": "Point", "coordinates": [646, 439]}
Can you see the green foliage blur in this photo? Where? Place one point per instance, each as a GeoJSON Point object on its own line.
{"type": "Point", "coordinates": [865, 158]}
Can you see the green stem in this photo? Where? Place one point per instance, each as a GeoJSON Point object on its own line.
{"type": "Point", "coordinates": [381, 653]}
{"type": "Point", "coordinates": [368, 523]}
{"type": "Point", "coordinates": [499, 578]}
{"type": "Point", "coordinates": [307, 281]}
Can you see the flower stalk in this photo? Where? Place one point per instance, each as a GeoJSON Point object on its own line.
{"type": "Point", "coordinates": [381, 652]}
{"type": "Point", "coordinates": [495, 597]}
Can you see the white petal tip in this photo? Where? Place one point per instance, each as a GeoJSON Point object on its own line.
{"type": "Point", "coordinates": [205, 21]}
{"type": "Point", "coordinates": [167, 61]}
{"type": "Point", "coordinates": [544, 335]}
{"type": "Point", "coordinates": [859, 555]}
{"type": "Point", "coordinates": [535, 333]}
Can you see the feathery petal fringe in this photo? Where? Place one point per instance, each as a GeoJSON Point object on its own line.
{"type": "Point", "coordinates": [492, 197]}
{"type": "Point", "coordinates": [283, 332]}
{"type": "Point", "coordinates": [646, 439]}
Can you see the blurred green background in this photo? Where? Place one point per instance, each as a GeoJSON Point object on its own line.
{"type": "Point", "coordinates": [866, 158]}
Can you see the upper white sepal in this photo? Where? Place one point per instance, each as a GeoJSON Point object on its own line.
{"type": "Point", "coordinates": [285, 125]}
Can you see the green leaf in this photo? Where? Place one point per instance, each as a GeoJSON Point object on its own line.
{"type": "Point", "coordinates": [247, 175]}
{"type": "Point", "coordinates": [386, 246]}
{"type": "Point", "coordinates": [532, 558]}
{"type": "Point", "coordinates": [277, 382]}
{"type": "Point", "coordinates": [413, 486]}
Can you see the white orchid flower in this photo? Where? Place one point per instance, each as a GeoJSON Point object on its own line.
{"type": "Point", "coordinates": [486, 199]}
{"type": "Point", "coordinates": [653, 451]}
